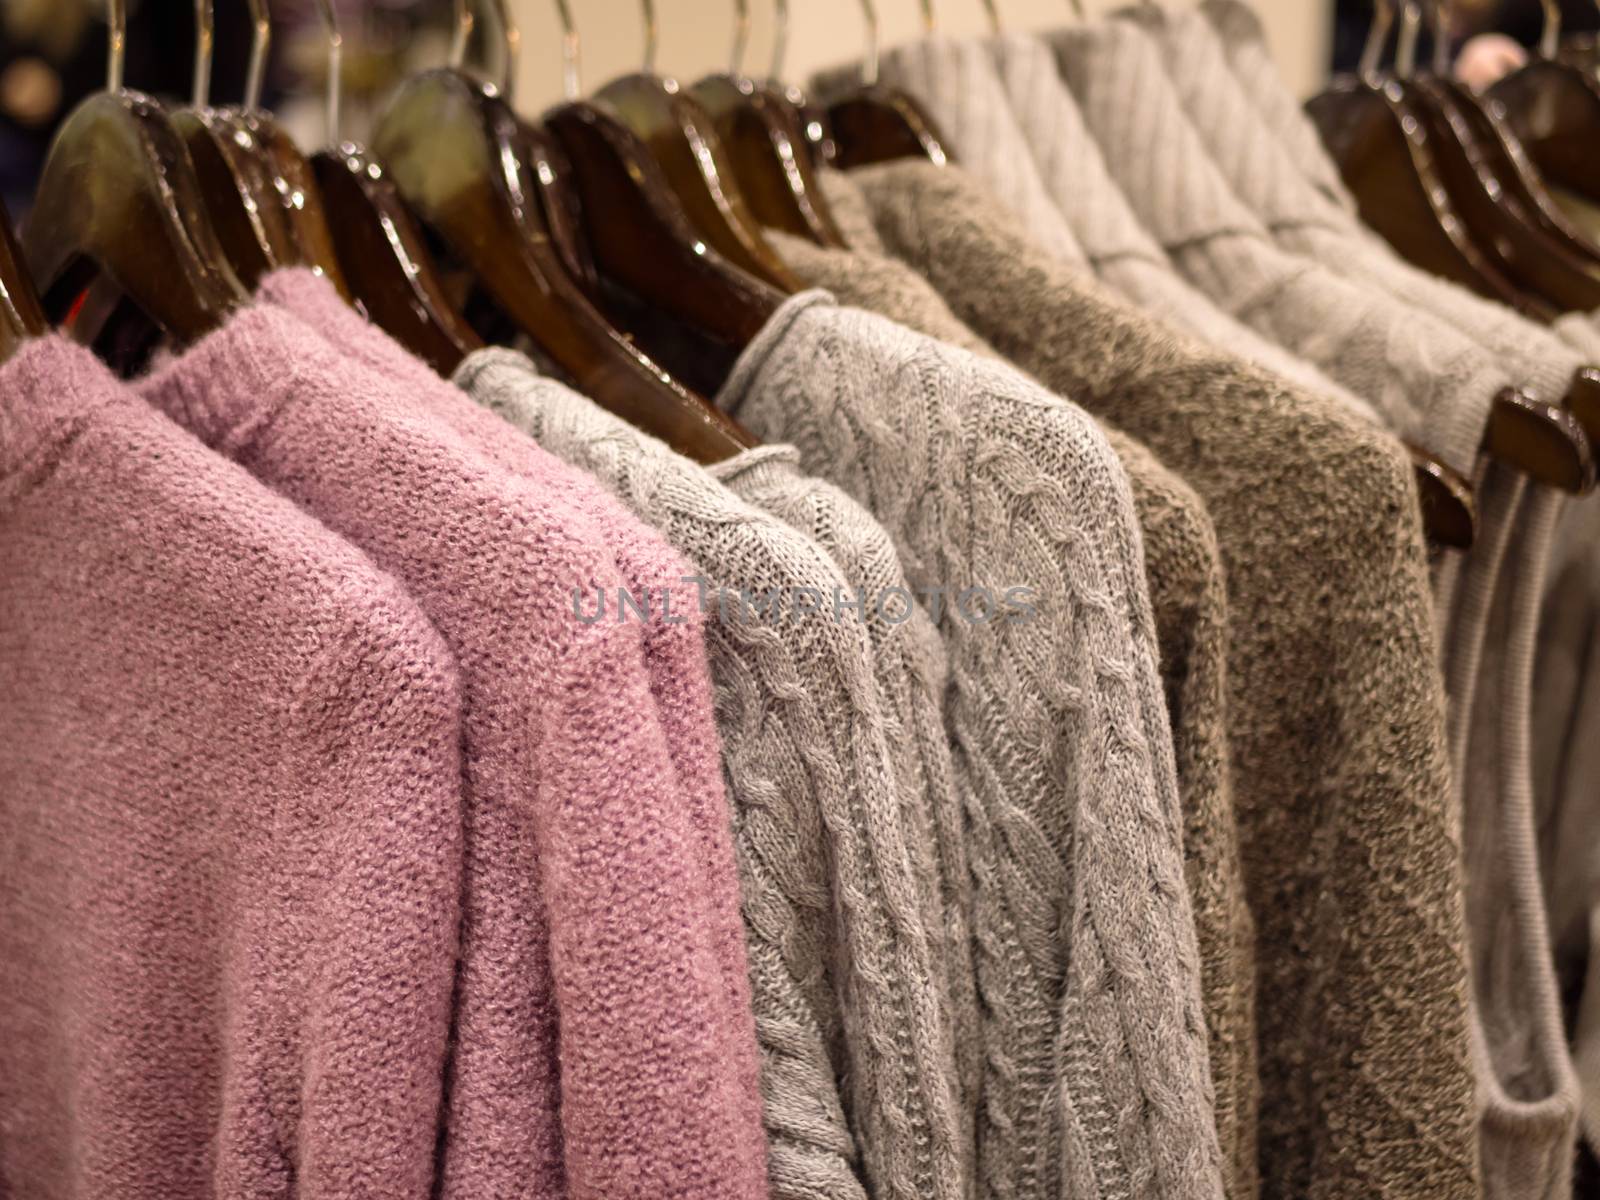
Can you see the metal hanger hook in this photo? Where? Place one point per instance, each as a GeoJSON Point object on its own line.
{"type": "Point", "coordinates": [205, 36]}
{"type": "Point", "coordinates": [741, 35]}
{"type": "Point", "coordinates": [991, 9]}
{"type": "Point", "coordinates": [260, 43]}
{"type": "Point", "coordinates": [510, 39]}
{"type": "Point", "coordinates": [1377, 37]}
{"type": "Point", "coordinates": [1405, 47]}
{"type": "Point", "coordinates": [1550, 34]}
{"type": "Point", "coordinates": [1441, 22]}
{"type": "Point", "coordinates": [330, 26]}
{"type": "Point", "coordinates": [116, 42]}
{"type": "Point", "coordinates": [652, 35]}
{"type": "Point", "coordinates": [869, 52]}
{"type": "Point", "coordinates": [571, 87]}
{"type": "Point", "coordinates": [780, 37]}
{"type": "Point", "coordinates": [930, 23]}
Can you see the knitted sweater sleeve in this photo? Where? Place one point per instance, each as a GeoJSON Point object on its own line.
{"type": "Point", "coordinates": [984, 482]}
{"type": "Point", "coordinates": [374, 765]}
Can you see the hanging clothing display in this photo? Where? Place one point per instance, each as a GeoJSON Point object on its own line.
{"type": "Point", "coordinates": [994, 626]}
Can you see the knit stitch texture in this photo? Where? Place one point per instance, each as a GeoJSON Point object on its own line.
{"type": "Point", "coordinates": [1341, 782]}
{"type": "Point", "coordinates": [596, 1051]}
{"type": "Point", "coordinates": [1183, 568]}
{"type": "Point", "coordinates": [1429, 381]}
{"type": "Point", "coordinates": [230, 822]}
{"type": "Point", "coordinates": [1097, 1081]}
{"type": "Point", "coordinates": [849, 1009]}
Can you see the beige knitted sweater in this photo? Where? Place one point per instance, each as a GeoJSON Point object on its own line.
{"type": "Point", "coordinates": [1184, 572]}
{"type": "Point", "coordinates": [859, 1083]}
{"type": "Point", "coordinates": [1096, 1076]}
{"type": "Point", "coordinates": [1351, 848]}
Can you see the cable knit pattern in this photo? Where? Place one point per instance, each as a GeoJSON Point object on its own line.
{"type": "Point", "coordinates": [912, 673]}
{"type": "Point", "coordinates": [595, 1053]}
{"type": "Point", "coordinates": [1251, 60]}
{"type": "Point", "coordinates": [1341, 780]}
{"type": "Point", "coordinates": [1304, 221]}
{"type": "Point", "coordinates": [230, 824]}
{"type": "Point", "coordinates": [957, 83]}
{"type": "Point", "coordinates": [835, 886]}
{"type": "Point", "coordinates": [1097, 1080]}
{"type": "Point", "coordinates": [1124, 254]}
{"type": "Point", "coordinates": [1430, 382]}
{"type": "Point", "coordinates": [1184, 571]}
{"type": "Point", "coordinates": [674, 653]}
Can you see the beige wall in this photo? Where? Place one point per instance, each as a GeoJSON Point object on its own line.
{"type": "Point", "coordinates": [696, 35]}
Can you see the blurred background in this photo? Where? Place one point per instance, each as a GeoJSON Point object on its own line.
{"type": "Point", "coordinates": [52, 52]}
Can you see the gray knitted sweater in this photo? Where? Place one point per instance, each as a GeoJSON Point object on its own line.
{"type": "Point", "coordinates": [1430, 381]}
{"type": "Point", "coordinates": [1096, 1078]}
{"type": "Point", "coordinates": [1017, 127]}
{"type": "Point", "coordinates": [1341, 780]}
{"type": "Point", "coordinates": [858, 1070]}
{"type": "Point", "coordinates": [912, 673]}
{"type": "Point", "coordinates": [1184, 570]}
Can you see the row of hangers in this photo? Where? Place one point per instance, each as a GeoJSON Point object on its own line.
{"type": "Point", "coordinates": [622, 235]}
{"type": "Point", "coordinates": [1455, 181]}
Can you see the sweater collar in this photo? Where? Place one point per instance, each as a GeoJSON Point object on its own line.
{"type": "Point", "coordinates": [765, 345]}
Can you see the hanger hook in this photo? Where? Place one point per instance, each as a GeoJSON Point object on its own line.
{"type": "Point", "coordinates": [1405, 47]}
{"type": "Point", "coordinates": [992, 10]}
{"type": "Point", "coordinates": [205, 34]}
{"type": "Point", "coordinates": [510, 39]}
{"type": "Point", "coordinates": [1439, 20]}
{"type": "Point", "coordinates": [652, 35]}
{"type": "Point", "coordinates": [741, 35]}
{"type": "Point", "coordinates": [930, 24]}
{"type": "Point", "coordinates": [1377, 38]}
{"type": "Point", "coordinates": [869, 52]}
{"type": "Point", "coordinates": [780, 37]}
{"type": "Point", "coordinates": [260, 42]}
{"type": "Point", "coordinates": [570, 86]}
{"type": "Point", "coordinates": [330, 26]}
{"type": "Point", "coordinates": [116, 42]}
{"type": "Point", "coordinates": [1550, 34]}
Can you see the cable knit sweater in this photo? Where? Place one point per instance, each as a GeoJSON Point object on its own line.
{"type": "Point", "coordinates": [1043, 165]}
{"type": "Point", "coordinates": [1184, 571]}
{"type": "Point", "coordinates": [913, 674]}
{"type": "Point", "coordinates": [597, 1050]}
{"type": "Point", "coordinates": [834, 883]}
{"type": "Point", "coordinates": [230, 822]}
{"type": "Point", "coordinates": [1096, 1079]}
{"type": "Point", "coordinates": [1430, 382]}
{"type": "Point", "coordinates": [1341, 778]}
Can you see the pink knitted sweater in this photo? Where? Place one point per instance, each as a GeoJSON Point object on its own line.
{"type": "Point", "coordinates": [598, 1049]}
{"type": "Point", "coordinates": [230, 822]}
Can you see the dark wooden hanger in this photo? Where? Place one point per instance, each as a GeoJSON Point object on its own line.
{"type": "Point", "coordinates": [1543, 441]}
{"type": "Point", "coordinates": [381, 252]}
{"type": "Point", "coordinates": [1449, 510]}
{"type": "Point", "coordinates": [452, 147]}
{"type": "Point", "coordinates": [1381, 146]}
{"type": "Point", "coordinates": [642, 243]}
{"type": "Point", "coordinates": [21, 316]}
{"type": "Point", "coordinates": [1553, 108]}
{"type": "Point", "coordinates": [765, 138]}
{"type": "Point", "coordinates": [681, 138]}
{"type": "Point", "coordinates": [118, 197]}
{"type": "Point", "coordinates": [1508, 235]}
{"type": "Point", "coordinates": [872, 122]}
